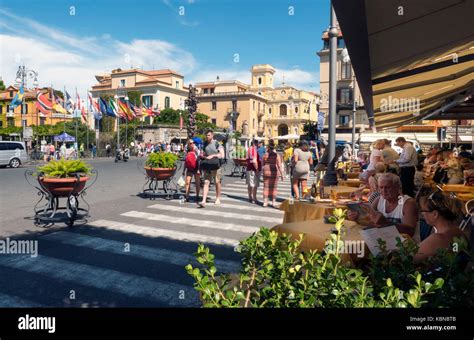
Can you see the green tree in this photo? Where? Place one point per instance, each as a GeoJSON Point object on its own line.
{"type": "Point", "coordinates": [2, 85]}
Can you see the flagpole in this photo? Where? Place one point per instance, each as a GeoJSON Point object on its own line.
{"type": "Point", "coordinates": [64, 107]}
{"type": "Point", "coordinates": [118, 118]}
{"type": "Point", "coordinates": [75, 119]}
{"type": "Point", "coordinates": [87, 127]}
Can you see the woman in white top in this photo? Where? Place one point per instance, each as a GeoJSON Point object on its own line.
{"type": "Point", "coordinates": [392, 208]}
{"type": "Point", "coordinates": [376, 155]}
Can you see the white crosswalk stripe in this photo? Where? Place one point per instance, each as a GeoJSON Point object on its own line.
{"type": "Point", "coordinates": [102, 278]}
{"type": "Point", "coordinates": [136, 250]}
{"type": "Point", "coordinates": [247, 207]}
{"type": "Point", "coordinates": [156, 232]}
{"type": "Point", "coordinates": [191, 221]}
{"type": "Point", "coordinates": [219, 213]}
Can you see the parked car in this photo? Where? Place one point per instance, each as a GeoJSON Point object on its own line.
{"type": "Point", "coordinates": [12, 153]}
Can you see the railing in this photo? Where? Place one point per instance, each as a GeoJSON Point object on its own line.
{"type": "Point", "coordinates": [230, 93]}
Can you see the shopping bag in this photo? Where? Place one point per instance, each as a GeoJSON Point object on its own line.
{"type": "Point", "coordinates": [181, 181]}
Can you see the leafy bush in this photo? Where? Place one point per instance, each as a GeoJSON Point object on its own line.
{"type": "Point", "coordinates": [449, 266]}
{"type": "Point", "coordinates": [239, 152]}
{"type": "Point", "coordinates": [65, 168]}
{"type": "Point", "coordinates": [275, 273]}
{"type": "Point", "coordinates": [161, 160]}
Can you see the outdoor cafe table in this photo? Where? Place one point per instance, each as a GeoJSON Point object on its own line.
{"type": "Point", "coordinates": [458, 188]}
{"type": "Point", "coordinates": [302, 211]}
{"type": "Point", "coordinates": [317, 232]}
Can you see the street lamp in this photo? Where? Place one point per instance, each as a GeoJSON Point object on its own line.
{"type": "Point", "coordinates": [118, 123]}
{"type": "Point", "coordinates": [22, 76]}
{"type": "Point", "coordinates": [330, 178]}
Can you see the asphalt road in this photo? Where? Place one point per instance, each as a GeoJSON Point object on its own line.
{"type": "Point", "coordinates": [131, 252]}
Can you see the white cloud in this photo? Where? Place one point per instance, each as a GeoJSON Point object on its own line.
{"type": "Point", "coordinates": [297, 78]}
{"type": "Point", "coordinates": [63, 59]}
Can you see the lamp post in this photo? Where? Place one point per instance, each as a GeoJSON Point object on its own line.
{"type": "Point", "coordinates": [330, 178]}
{"type": "Point", "coordinates": [118, 123]}
{"type": "Point", "coordinates": [22, 76]}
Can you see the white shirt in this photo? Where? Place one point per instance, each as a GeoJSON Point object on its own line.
{"type": "Point", "coordinates": [408, 156]}
{"type": "Point", "coordinates": [375, 153]}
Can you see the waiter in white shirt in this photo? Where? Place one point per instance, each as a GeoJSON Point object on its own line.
{"type": "Point", "coordinates": [407, 162]}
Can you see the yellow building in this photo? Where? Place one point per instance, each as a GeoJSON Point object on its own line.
{"type": "Point", "coordinates": [258, 109]}
{"type": "Point", "coordinates": [26, 114]}
{"type": "Point", "coordinates": [230, 104]}
{"type": "Point", "coordinates": [160, 89]}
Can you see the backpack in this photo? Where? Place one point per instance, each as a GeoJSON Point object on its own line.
{"type": "Point", "coordinates": [214, 163]}
{"type": "Point", "coordinates": [191, 161]}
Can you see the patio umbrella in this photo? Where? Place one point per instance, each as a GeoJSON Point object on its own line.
{"type": "Point", "coordinates": [64, 137]}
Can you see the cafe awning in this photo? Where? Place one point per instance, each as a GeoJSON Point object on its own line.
{"type": "Point", "coordinates": [412, 59]}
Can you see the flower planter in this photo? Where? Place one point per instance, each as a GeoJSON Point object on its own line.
{"type": "Point", "coordinates": [63, 187]}
{"type": "Point", "coordinates": [159, 174]}
{"type": "Point", "coordinates": [240, 161]}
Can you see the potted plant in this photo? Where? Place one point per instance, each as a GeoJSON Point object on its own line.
{"type": "Point", "coordinates": [161, 165]}
{"type": "Point", "coordinates": [64, 177]}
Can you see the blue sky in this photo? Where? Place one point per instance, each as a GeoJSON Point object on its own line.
{"type": "Point", "coordinates": [67, 50]}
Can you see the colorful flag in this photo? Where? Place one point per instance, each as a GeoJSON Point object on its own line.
{"type": "Point", "coordinates": [84, 114]}
{"type": "Point", "coordinates": [147, 111]}
{"type": "Point", "coordinates": [136, 109]}
{"type": "Point", "coordinates": [113, 108]}
{"type": "Point", "coordinates": [94, 108]}
{"type": "Point", "coordinates": [18, 99]}
{"type": "Point", "coordinates": [43, 101]}
{"type": "Point", "coordinates": [56, 103]}
{"type": "Point", "coordinates": [125, 109]}
{"type": "Point", "coordinates": [69, 103]}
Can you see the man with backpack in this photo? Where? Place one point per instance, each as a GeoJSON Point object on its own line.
{"type": "Point", "coordinates": [191, 169]}
{"type": "Point", "coordinates": [253, 171]}
{"type": "Point", "coordinates": [211, 166]}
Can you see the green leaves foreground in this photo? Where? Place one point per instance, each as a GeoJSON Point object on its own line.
{"type": "Point", "coordinates": [276, 273]}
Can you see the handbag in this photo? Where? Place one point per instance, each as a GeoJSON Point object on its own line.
{"type": "Point", "coordinates": [211, 164]}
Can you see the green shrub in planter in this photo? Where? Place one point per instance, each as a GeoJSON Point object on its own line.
{"type": "Point", "coordinates": [161, 160]}
{"type": "Point", "coordinates": [275, 273]}
{"type": "Point", "coordinates": [65, 168]}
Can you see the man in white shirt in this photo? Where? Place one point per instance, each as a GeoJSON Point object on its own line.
{"type": "Point", "coordinates": [407, 162]}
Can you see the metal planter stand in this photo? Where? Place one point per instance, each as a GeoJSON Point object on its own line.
{"type": "Point", "coordinates": [239, 168]}
{"type": "Point", "coordinates": [152, 188]}
{"type": "Point", "coordinates": [48, 210]}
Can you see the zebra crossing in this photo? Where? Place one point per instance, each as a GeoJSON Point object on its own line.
{"type": "Point", "coordinates": [136, 257]}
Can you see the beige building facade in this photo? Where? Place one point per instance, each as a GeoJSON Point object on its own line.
{"type": "Point", "coordinates": [347, 89]}
{"type": "Point", "coordinates": [258, 109]}
{"type": "Point", "coordinates": [160, 89]}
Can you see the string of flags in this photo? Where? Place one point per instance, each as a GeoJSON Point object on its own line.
{"type": "Point", "coordinates": [98, 107]}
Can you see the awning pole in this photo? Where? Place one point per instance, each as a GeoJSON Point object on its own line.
{"type": "Point", "coordinates": [457, 134]}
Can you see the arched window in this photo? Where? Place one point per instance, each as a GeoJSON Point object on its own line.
{"type": "Point", "coordinates": [167, 102]}
{"type": "Point", "coordinates": [283, 110]}
{"type": "Point", "coordinates": [259, 81]}
{"type": "Point", "coordinates": [296, 109]}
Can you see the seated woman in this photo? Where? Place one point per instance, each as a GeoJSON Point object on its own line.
{"type": "Point", "coordinates": [380, 168]}
{"type": "Point", "coordinates": [441, 211]}
{"type": "Point", "coordinates": [392, 208]}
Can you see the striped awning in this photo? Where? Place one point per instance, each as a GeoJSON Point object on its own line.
{"type": "Point", "coordinates": [412, 59]}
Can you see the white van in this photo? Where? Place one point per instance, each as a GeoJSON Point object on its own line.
{"type": "Point", "coordinates": [12, 153]}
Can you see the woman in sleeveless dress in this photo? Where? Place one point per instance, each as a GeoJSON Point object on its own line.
{"type": "Point", "coordinates": [302, 159]}
{"type": "Point", "coordinates": [271, 170]}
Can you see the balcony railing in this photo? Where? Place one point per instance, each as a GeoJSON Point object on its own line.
{"type": "Point", "coordinates": [230, 93]}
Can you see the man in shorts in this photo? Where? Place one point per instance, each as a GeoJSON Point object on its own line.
{"type": "Point", "coordinates": [212, 149]}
